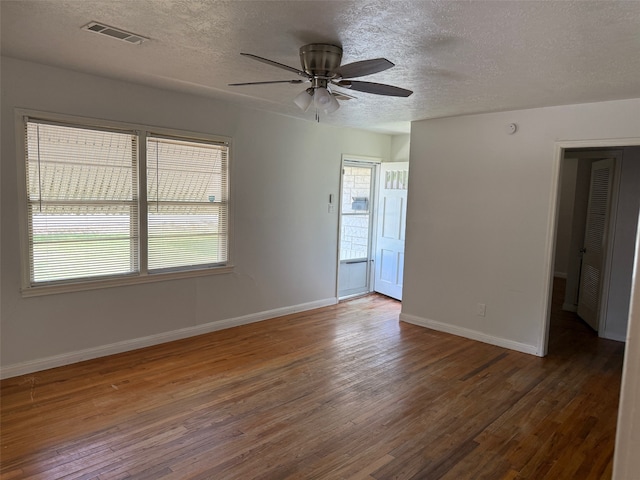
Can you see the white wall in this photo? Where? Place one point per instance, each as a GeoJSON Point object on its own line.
{"type": "Point", "coordinates": [481, 216]}
{"type": "Point", "coordinates": [284, 239]}
{"type": "Point", "coordinates": [400, 148]}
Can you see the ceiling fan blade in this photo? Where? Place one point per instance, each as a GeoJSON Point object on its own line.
{"type": "Point", "coordinates": [364, 67]}
{"type": "Point", "coordinates": [265, 83]}
{"type": "Point", "coordinates": [342, 96]}
{"type": "Point", "coordinates": [375, 88]}
{"type": "Point", "coordinates": [276, 64]}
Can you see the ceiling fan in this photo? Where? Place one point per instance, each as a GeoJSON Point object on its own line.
{"type": "Point", "coordinates": [321, 67]}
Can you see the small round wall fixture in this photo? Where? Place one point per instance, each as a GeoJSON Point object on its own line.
{"type": "Point", "coordinates": [512, 128]}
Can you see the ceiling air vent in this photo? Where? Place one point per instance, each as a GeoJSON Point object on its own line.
{"type": "Point", "coordinates": [113, 32]}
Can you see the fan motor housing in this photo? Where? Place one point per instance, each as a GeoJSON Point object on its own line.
{"type": "Point", "coordinates": [320, 59]}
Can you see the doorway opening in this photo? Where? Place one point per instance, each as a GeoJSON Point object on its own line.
{"type": "Point", "coordinates": [596, 222]}
{"type": "Point", "coordinates": [357, 197]}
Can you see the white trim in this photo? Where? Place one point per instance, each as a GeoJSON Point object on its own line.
{"type": "Point", "coordinates": [143, 208]}
{"type": "Point", "coordinates": [136, 279]}
{"type": "Point", "coordinates": [597, 143]}
{"type": "Point", "coordinates": [560, 275]}
{"type": "Point", "coordinates": [21, 170]}
{"type": "Point", "coordinates": [361, 159]}
{"type": "Point", "coordinates": [569, 307]}
{"type": "Point", "coordinates": [133, 344]}
{"type": "Point", "coordinates": [471, 334]}
{"type": "Point", "coordinates": [552, 226]}
{"type": "Point", "coordinates": [119, 126]}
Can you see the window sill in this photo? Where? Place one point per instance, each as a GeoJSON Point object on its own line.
{"type": "Point", "coordinates": [121, 281]}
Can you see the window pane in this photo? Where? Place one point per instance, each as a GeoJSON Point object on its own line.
{"type": "Point", "coordinates": [187, 203]}
{"type": "Point", "coordinates": [356, 188]}
{"type": "Point", "coordinates": [354, 236]}
{"type": "Point", "coordinates": [81, 245]}
{"type": "Point", "coordinates": [82, 212]}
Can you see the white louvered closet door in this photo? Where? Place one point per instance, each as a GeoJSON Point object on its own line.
{"type": "Point", "coordinates": [595, 240]}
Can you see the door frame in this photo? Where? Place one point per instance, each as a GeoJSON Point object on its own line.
{"type": "Point", "coordinates": [375, 163]}
{"type": "Point", "coordinates": [552, 227]}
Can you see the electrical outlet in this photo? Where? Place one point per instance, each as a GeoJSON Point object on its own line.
{"type": "Point", "coordinates": [481, 310]}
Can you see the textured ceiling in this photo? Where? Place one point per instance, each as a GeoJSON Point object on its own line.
{"type": "Point", "coordinates": [458, 57]}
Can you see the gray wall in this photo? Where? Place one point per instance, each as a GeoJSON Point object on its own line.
{"type": "Point", "coordinates": [581, 179]}
{"type": "Point", "coordinates": [568, 173]}
{"type": "Point", "coordinates": [284, 239]}
{"type": "Point", "coordinates": [481, 215]}
{"type": "Point", "coordinates": [624, 236]}
{"type": "Point", "coordinates": [626, 461]}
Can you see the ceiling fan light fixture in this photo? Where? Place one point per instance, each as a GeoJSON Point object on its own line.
{"type": "Point", "coordinates": [322, 68]}
{"type": "Point", "coordinates": [303, 99]}
{"type": "Point", "coordinates": [333, 105]}
{"type": "Point", "coordinates": [324, 101]}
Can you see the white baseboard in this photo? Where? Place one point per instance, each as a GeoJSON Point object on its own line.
{"type": "Point", "coordinates": [133, 344]}
{"type": "Point", "coordinates": [560, 275]}
{"type": "Point", "coordinates": [471, 334]}
{"type": "Point", "coordinates": [569, 307]}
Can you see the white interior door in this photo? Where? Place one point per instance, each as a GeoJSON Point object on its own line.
{"type": "Point", "coordinates": [595, 239]}
{"type": "Point", "coordinates": [392, 214]}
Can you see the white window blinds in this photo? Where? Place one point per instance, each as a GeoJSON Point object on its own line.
{"type": "Point", "coordinates": [92, 213]}
{"type": "Point", "coordinates": [187, 203]}
{"type": "Point", "coordinates": [82, 202]}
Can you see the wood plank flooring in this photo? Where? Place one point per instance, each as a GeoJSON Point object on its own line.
{"type": "Point", "coordinates": [343, 392]}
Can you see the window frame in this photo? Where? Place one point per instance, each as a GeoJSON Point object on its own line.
{"type": "Point", "coordinates": [21, 116]}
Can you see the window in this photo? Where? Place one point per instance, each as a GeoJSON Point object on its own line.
{"type": "Point", "coordinates": [186, 195]}
{"type": "Point", "coordinates": [110, 203]}
{"type": "Point", "coordinates": [355, 214]}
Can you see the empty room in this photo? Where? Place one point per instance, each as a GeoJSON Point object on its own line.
{"type": "Point", "coordinates": [319, 239]}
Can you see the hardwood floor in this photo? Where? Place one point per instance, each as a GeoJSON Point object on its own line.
{"type": "Point", "coordinates": [340, 392]}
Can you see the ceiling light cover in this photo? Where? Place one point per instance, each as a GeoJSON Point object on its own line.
{"type": "Point", "coordinates": [324, 101]}
{"type": "Point", "coordinates": [303, 99]}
